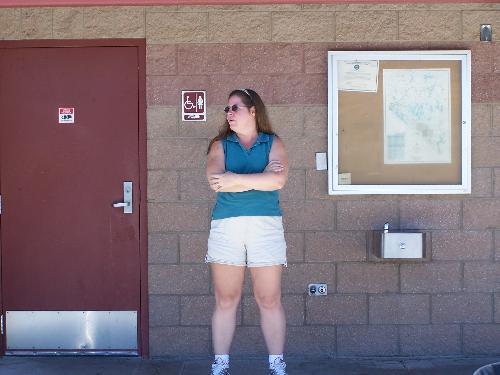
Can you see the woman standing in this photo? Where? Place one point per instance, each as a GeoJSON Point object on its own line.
{"type": "Point", "coordinates": [247, 165]}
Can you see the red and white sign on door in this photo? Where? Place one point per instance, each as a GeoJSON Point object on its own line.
{"type": "Point", "coordinates": [66, 115]}
{"type": "Point", "coordinates": [194, 106]}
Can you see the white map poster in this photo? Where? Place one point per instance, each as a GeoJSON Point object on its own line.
{"type": "Point", "coordinates": [417, 116]}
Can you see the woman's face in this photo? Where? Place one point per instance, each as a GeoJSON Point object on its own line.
{"type": "Point", "coordinates": [242, 119]}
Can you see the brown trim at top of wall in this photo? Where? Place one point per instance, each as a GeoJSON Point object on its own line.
{"type": "Point", "coordinates": [45, 3]}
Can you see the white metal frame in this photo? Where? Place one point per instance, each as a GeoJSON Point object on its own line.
{"type": "Point", "coordinates": [333, 136]}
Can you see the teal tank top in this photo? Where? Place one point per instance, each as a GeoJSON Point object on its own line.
{"type": "Point", "coordinates": [242, 161]}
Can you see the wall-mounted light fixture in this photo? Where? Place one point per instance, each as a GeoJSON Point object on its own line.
{"type": "Point", "coordinates": [485, 33]}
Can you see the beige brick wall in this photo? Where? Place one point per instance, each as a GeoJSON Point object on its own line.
{"type": "Point", "coordinates": [447, 305]}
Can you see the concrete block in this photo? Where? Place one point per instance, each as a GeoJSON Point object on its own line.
{"type": "Point", "coordinates": [430, 214]}
{"type": "Point", "coordinates": [161, 59]}
{"type": "Point", "coordinates": [294, 246]}
{"type": "Point", "coordinates": [315, 341]}
{"type": "Point", "coordinates": [337, 309]}
{"type": "Point", "coordinates": [250, 27]}
{"type": "Point", "coordinates": [114, 22]}
{"type": "Point", "coordinates": [363, 215]}
{"type": "Point", "coordinates": [287, 121]}
{"type": "Point", "coordinates": [68, 23]}
{"type": "Point", "coordinates": [176, 217]}
{"type": "Point", "coordinates": [430, 25]}
{"type": "Point", "coordinates": [300, 89]}
{"type": "Point", "coordinates": [172, 27]}
{"type": "Point", "coordinates": [308, 215]}
{"type": "Point", "coordinates": [481, 339]}
{"type": "Point", "coordinates": [10, 23]}
{"type": "Point", "coordinates": [481, 119]}
{"type": "Point", "coordinates": [295, 188]}
{"type": "Point", "coordinates": [275, 58]}
{"type": "Point", "coordinates": [481, 213]}
{"type": "Point", "coordinates": [178, 279]}
{"type": "Point", "coordinates": [338, 246]}
{"type": "Point", "coordinates": [197, 310]}
{"type": "Point", "coordinates": [36, 23]}
{"type": "Point", "coordinates": [481, 277]}
{"type": "Point", "coordinates": [163, 248]}
{"type": "Point", "coordinates": [194, 186]}
{"type": "Point", "coordinates": [303, 27]}
{"type": "Point", "coordinates": [367, 278]}
{"type": "Point", "coordinates": [175, 153]}
{"type": "Point", "coordinates": [193, 247]}
{"type": "Point", "coordinates": [366, 25]}
{"type": "Point", "coordinates": [164, 311]}
{"type": "Point", "coordinates": [482, 182]}
{"type": "Point", "coordinates": [177, 341]}
{"type": "Point", "coordinates": [430, 277]}
{"type": "Point", "coordinates": [219, 58]}
{"type": "Point", "coordinates": [462, 308]}
{"type": "Point", "coordinates": [317, 184]}
{"type": "Point", "coordinates": [364, 340]}
{"type": "Point", "coordinates": [162, 121]}
{"type": "Point", "coordinates": [431, 340]}
{"type": "Point", "coordinates": [399, 309]}
{"type": "Point", "coordinates": [162, 186]}
{"type": "Point", "coordinates": [462, 245]}
{"type": "Point", "coordinates": [484, 152]}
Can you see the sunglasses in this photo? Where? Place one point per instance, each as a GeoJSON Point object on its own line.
{"type": "Point", "coordinates": [235, 108]}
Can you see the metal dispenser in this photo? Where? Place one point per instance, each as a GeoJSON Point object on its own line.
{"type": "Point", "coordinates": [399, 244]}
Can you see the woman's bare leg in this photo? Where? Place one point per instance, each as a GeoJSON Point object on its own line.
{"type": "Point", "coordinates": [228, 283]}
{"type": "Point", "coordinates": [267, 292]}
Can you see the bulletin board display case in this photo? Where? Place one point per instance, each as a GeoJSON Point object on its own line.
{"type": "Point", "coordinates": [399, 122]}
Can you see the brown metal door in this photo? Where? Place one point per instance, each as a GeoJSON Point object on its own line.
{"type": "Point", "coordinates": [65, 248]}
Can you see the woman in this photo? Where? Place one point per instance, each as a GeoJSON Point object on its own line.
{"type": "Point", "coordinates": [247, 165]}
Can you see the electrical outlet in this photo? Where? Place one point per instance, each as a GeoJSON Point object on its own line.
{"type": "Point", "coordinates": [318, 289]}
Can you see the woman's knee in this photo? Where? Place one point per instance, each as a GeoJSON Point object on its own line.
{"type": "Point", "coordinates": [268, 302]}
{"type": "Point", "coordinates": [229, 301]}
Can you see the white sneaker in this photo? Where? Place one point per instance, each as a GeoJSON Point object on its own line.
{"type": "Point", "coordinates": [219, 367]}
{"type": "Point", "coordinates": [277, 367]}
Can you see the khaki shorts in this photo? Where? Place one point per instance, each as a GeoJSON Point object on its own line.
{"type": "Point", "coordinates": [253, 241]}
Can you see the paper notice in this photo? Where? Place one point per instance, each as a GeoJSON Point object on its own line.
{"type": "Point", "coordinates": [344, 178]}
{"type": "Point", "coordinates": [358, 76]}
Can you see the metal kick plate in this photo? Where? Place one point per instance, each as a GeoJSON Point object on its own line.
{"type": "Point", "coordinates": [71, 330]}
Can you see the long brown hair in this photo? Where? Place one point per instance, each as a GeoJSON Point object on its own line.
{"type": "Point", "coordinates": [251, 99]}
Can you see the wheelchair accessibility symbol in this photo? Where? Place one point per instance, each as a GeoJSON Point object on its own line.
{"type": "Point", "coordinates": [194, 106]}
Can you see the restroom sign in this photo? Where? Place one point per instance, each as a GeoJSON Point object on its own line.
{"type": "Point", "coordinates": [66, 115]}
{"type": "Point", "coordinates": [194, 106]}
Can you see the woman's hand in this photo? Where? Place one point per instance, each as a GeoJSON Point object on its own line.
{"type": "Point", "coordinates": [220, 181]}
{"type": "Point", "coordinates": [275, 166]}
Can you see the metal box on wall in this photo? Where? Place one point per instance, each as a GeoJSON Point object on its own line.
{"type": "Point", "coordinates": [399, 245]}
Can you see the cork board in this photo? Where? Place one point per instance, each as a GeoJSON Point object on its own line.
{"type": "Point", "coordinates": [361, 129]}
{"type": "Point", "coordinates": [361, 134]}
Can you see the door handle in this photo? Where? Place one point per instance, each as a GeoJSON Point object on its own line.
{"type": "Point", "coordinates": [127, 198]}
{"type": "Point", "coordinates": [121, 204]}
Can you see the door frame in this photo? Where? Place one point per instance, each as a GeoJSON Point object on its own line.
{"type": "Point", "coordinates": [140, 44]}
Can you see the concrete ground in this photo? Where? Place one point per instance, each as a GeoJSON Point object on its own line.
{"type": "Point", "coordinates": [138, 366]}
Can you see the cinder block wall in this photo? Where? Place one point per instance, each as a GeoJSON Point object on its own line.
{"type": "Point", "coordinates": [447, 305]}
